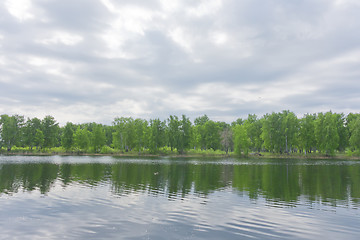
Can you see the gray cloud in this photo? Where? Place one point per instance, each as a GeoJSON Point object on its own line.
{"type": "Point", "coordinates": [95, 60]}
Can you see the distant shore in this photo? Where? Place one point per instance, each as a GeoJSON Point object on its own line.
{"type": "Point", "coordinates": [187, 155]}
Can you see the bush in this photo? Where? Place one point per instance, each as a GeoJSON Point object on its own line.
{"type": "Point", "coordinates": [107, 150]}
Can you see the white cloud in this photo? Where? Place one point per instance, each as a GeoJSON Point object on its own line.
{"type": "Point", "coordinates": [205, 8]}
{"type": "Point", "coordinates": [179, 36]}
{"type": "Point", "coordinates": [20, 9]}
{"type": "Point", "coordinates": [109, 5]}
{"type": "Point", "coordinates": [128, 25]}
{"type": "Point", "coordinates": [219, 38]}
{"type": "Point", "coordinates": [186, 41]}
{"type": "Point", "coordinates": [50, 66]}
{"type": "Point", "coordinates": [171, 6]}
{"type": "Point", "coordinates": [346, 3]}
{"type": "Point", "coordinates": [2, 60]}
{"type": "Point", "coordinates": [61, 38]}
{"type": "Point", "coordinates": [151, 58]}
{"type": "Point", "coordinates": [129, 107]}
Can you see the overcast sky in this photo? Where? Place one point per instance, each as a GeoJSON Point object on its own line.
{"type": "Point", "coordinates": [94, 60]}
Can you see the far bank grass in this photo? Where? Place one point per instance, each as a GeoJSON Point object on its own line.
{"type": "Point", "coordinates": [166, 151]}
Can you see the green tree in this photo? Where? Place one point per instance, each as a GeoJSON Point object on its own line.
{"type": "Point", "coordinates": [108, 134]}
{"type": "Point", "coordinates": [185, 134]}
{"type": "Point", "coordinates": [141, 127]}
{"type": "Point", "coordinates": [39, 139]}
{"type": "Point", "coordinates": [195, 140]}
{"type": "Point", "coordinates": [254, 126]}
{"type": "Point", "coordinates": [157, 135]}
{"type": "Point", "coordinates": [124, 135]}
{"type": "Point", "coordinates": [271, 132]}
{"type": "Point", "coordinates": [290, 129]}
{"type": "Point", "coordinates": [279, 131]}
{"type": "Point", "coordinates": [342, 131]}
{"type": "Point", "coordinates": [82, 138]}
{"type": "Point", "coordinates": [326, 132]}
{"type": "Point", "coordinates": [11, 130]}
{"type": "Point", "coordinates": [173, 131]}
{"type": "Point", "coordinates": [67, 138]}
{"type": "Point", "coordinates": [307, 130]}
{"type": "Point", "coordinates": [238, 121]}
{"type": "Point", "coordinates": [50, 129]}
{"type": "Point", "coordinates": [200, 131]}
{"type": "Point", "coordinates": [212, 135]}
{"type": "Point", "coordinates": [30, 128]}
{"type": "Point", "coordinates": [98, 138]}
{"type": "Point", "coordinates": [354, 129]}
{"type": "Point", "coordinates": [227, 139]}
{"type": "Point", "coordinates": [241, 140]}
{"type": "Point", "coordinates": [320, 132]}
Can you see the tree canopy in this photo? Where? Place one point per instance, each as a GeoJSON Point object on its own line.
{"type": "Point", "coordinates": [281, 132]}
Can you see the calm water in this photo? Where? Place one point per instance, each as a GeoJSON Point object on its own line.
{"type": "Point", "coordinates": [163, 198]}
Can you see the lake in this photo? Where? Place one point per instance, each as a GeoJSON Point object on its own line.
{"type": "Point", "coordinates": [81, 197]}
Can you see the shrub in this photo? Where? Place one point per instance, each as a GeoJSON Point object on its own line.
{"type": "Point", "coordinates": [107, 150]}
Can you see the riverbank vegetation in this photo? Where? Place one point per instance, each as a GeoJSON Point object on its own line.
{"type": "Point", "coordinates": [275, 134]}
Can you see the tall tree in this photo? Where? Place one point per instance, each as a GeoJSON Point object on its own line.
{"type": "Point", "coordinates": [98, 138]}
{"type": "Point", "coordinates": [307, 130]}
{"type": "Point", "coordinates": [11, 127]}
{"type": "Point", "coordinates": [212, 135]}
{"type": "Point", "coordinates": [157, 135]}
{"type": "Point", "coordinates": [50, 129]}
{"type": "Point", "coordinates": [185, 134]}
{"type": "Point", "coordinates": [124, 136]}
{"type": "Point", "coordinates": [354, 128]}
{"type": "Point", "coordinates": [342, 131]}
{"type": "Point", "coordinates": [82, 138]}
{"type": "Point", "coordinates": [241, 140]}
{"type": "Point", "coordinates": [39, 139]}
{"type": "Point", "coordinates": [254, 126]}
{"type": "Point", "coordinates": [271, 132]}
{"type": "Point", "coordinates": [173, 131]}
{"type": "Point", "coordinates": [227, 139]}
{"type": "Point", "coordinates": [30, 129]}
{"type": "Point", "coordinates": [326, 132]}
{"type": "Point", "coordinates": [140, 126]}
{"type": "Point", "coordinates": [200, 131]}
{"type": "Point", "coordinates": [67, 138]}
{"type": "Point", "coordinates": [290, 129]}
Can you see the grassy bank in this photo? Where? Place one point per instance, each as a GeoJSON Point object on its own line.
{"type": "Point", "coordinates": [107, 151]}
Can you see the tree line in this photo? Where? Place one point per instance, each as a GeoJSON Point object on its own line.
{"type": "Point", "coordinates": [278, 132]}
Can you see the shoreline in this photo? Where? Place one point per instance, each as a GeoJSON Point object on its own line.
{"type": "Point", "coordinates": [251, 156]}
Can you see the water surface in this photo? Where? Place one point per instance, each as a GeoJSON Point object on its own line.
{"type": "Point", "coordinates": [163, 198]}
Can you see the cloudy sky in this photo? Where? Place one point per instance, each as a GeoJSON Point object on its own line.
{"type": "Point", "coordinates": [94, 60]}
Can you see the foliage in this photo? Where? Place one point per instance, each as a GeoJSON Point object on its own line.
{"type": "Point", "coordinates": [107, 150]}
{"type": "Point", "coordinates": [241, 140]}
{"type": "Point", "coordinates": [82, 139]}
{"type": "Point", "coordinates": [307, 129]}
{"type": "Point", "coordinates": [67, 136]}
{"type": "Point", "coordinates": [156, 135]}
{"type": "Point", "coordinates": [98, 138]}
{"type": "Point", "coordinates": [39, 139]}
{"type": "Point", "coordinates": [10, 130]}
{"type": "Point", "coordinates": [29, 131]}
{"type": "Point", "coordinates": [227, 139]}
{"type": "Point", "coordinates": [354, 129]}
{"type": "Point", "coordinates": [322, 133]}
{"type": "Point", "coordinates": [50, 129]}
